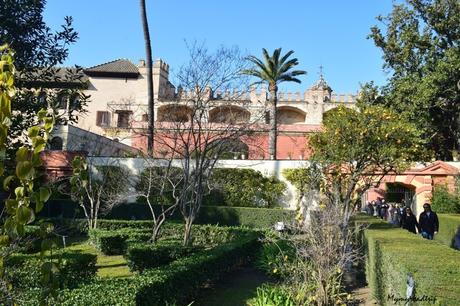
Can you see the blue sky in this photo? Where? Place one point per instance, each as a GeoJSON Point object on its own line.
{"type": "Point", "coordinates": [331, 33]}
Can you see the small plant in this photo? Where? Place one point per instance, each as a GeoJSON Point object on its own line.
{"type": "Point", "coordinates": [272, 296]}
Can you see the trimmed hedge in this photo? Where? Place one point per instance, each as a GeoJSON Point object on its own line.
{"type": "Point", "coordinates": [24, 271]}
{"type": "Point", "coordinates": [146, 256]}
{"type": "Point", "coordinates": [115, 241]}
{"type": "Point", "coordinates": [449, 225]}
{"type": "Point", "coordinates": [391, 253]}
{"type": "Point", "coordinates": [174, 283]}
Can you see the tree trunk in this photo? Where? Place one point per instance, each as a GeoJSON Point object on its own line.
{"type": "Point", "coordinates": [188, 231]}
{"type": "Point", "coordinates": [148, 52]}
{"type": "Point", "coordinates": [156, 229]}
{"type": "Point", "coordinates": [273, 124]}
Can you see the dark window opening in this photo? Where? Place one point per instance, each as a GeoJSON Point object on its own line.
{"type": "Point", "coordinates": [123, 119]}
{"type": "Point", "coordinates": [103, 118]}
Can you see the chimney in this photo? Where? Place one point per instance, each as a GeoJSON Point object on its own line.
{"type": "Point", "coordinates": [141, 63]}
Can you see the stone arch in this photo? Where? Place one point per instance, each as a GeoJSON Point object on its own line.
{"type": "Point", "coordinates": [56, 144]}
{"type": "Point", "coordinates": [290, 115]}
{"type": "Point", "coordinates": [174, 113]}
{"type": "Point", "coordinates": [229, 114]}
{"type": "Point", "coordinates": [229, 148]}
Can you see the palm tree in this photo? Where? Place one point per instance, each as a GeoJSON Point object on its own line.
{"type": "Point", "coordinates": [274, 70]}
{"type": "Point", "coordinates": [148, 51]}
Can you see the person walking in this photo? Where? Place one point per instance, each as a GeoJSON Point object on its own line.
{"type": "Point", "coordinates": [409, 222]}
{"type": "Point", "coordinates": [429, 223]}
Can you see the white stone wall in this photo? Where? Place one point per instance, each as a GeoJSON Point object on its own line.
{"type": "Point", "coordinates": [266, 167]}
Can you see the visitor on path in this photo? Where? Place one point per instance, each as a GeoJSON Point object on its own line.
{"type": "Point", "coordinates": [375, 209]}
{"type": "Point", "coordinates": [409, 222]}
{"type": "Point", "coordinates": [393, 213]}
{"type": "Point", "coordinates": [384, 210]}
{"type": "Point", "coordinates": [378, 204]}
{"type": "Point", "coordinates": [429, 223]}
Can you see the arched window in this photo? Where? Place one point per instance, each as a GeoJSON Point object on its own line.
{"type": "Point", "coordinates": [229, 114]}
{"type": "Point", "coordinates": [229, 149]}
{"type": "Point", "coordinates": [290, 115]}
{"type": "Point", "coordinates": [174, 113]}
{"type": "Point", "coordinates": [56, 144]}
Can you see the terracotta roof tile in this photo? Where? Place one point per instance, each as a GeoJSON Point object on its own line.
{"type": "Point", "coordinates": [116, 67]}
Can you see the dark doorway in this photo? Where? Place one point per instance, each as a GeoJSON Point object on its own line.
{"type": "Point", "coordinates": [396, 192]}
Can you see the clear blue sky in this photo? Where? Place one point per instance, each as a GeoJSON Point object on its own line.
{"type": "Point", "coordinates": [331, 33]}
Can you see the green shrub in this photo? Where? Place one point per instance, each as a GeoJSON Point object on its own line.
{"type": "Point", "coordinates": [272, 296]}
{"type": "Point", "coordinates": [174, 283]}
{"type": "Point", "coordinates": [449, 225]}
{"type": "Point", "coordinates": [245, 188]}
{"type": "Point", "coordinates": [146, 256]}
{"type": "Point", "coordinates": [24, 271]}
{"type": "Point", "coordinates": [391, 253]}
{"type": "Point", "coordinates": [274, 257]}
{"type": "Point", "coordinates": [444, 201]}
{"type": "Point", "coordinates": [246, 216]}
{"type": "Point", "coordinates": [116, 242]}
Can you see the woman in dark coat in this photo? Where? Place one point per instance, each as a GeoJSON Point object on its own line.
{"type": "Point", "coordinates": [409, 222]}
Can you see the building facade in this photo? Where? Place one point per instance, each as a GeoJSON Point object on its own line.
{"type": "Point", "coordinates": [118, 108]}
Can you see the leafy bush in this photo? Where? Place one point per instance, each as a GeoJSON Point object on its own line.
{"type": "Point", "coordinates": [116, 242]}
{"type": "Point", "coordinates": [444, 201]}
{"type": "Point", "coordinates": [272, 296]}
{"type": "Point", "coordinates": [174, 283]}
{"type": "Point", "coordinates": [245, 188]}
{"type": "Point", "coordinates": [24, 271]}
{"type": "Point", "coordinates": [274, 257]}
{"type": "Point", "coordinates": [392, 253]}
{"type": "Point", "coordinates": [146, 256]}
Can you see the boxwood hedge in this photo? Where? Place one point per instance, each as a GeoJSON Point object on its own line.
{"type": "Point", "coordinates": [449, 226]}
{"type": "Point", "coordinates": [392, 253]}
{"type": "Point", "coordinates": [173, 283]}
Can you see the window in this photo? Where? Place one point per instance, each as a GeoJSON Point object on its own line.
{"type": "Point", "coordinates": [123, 119]}
{"type": "Point", "coordinates": [145, 117]}
{"type": "Point", "coordinates": [62, 102]}
{"type": "Point", "coordinates": [267, 117]}
{"type": "Point", "coordinates": [56, 144]}
{"type": "Point", "coordinates": [103, 118]}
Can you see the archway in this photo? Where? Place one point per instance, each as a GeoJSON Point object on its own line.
{"type": "Point", "coordinates": [229, 148]}
{"type": "Point", "coordinates": [56, 144]}
{"type": "Point", "coordinates": [290, 115]}
{"type": "Point", "coordinates": [174, 113]}
{"type": "Point", "coordinates": [229, 114]}
{"type": "Point", "coordinates": [396, 192]}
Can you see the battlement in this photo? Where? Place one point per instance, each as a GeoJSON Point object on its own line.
{"type": "Point", "coordinates": [262, 95]}
{"type": "Point", "coordinates": [160, 64]}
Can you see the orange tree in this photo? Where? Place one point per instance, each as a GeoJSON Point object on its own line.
{"type": "Point", "coordinates": [358, 147]}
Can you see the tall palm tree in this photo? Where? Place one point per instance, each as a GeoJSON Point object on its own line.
{"type": "Point", "coordinates": [148, 51]}
{"type": "Point", "coordinates": [274, 70]}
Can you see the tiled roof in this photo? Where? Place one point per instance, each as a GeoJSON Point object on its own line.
{"type": "Point", "coordinates": [119, 67]}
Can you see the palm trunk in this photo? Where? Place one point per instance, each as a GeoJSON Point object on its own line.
{"type": "Point", "coordinates": [273, 125]}
{"type": "Point", "coordinates": [148, 51]}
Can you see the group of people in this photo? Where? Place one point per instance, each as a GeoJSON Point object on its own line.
{"type": "Point", "coordinates": [402, 215]}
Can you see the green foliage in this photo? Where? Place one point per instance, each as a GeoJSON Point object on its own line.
{"type": "Point", "coordinates": [444, 201]}
{"type": "Point", "coordinates": [449, 226]}
{"type": "Point", "coordinates": [222, 215]}
{"type": "Point", "coordinates": [275, 257]}
{"type": "Point", "coordinates": [420, 44]}
{"type": "Point", "coordinates": [111, 241]}
{"type": "Point", "coordinates": [116, 242]}
{"type": "Point", "coordinates": [38, 52]}
{"type": "Point", "coordinates": [74, 269]}
{"type": "Point", "coordinates": [247, 188]}
{"type": "Point", "coordinates": [167, 284]}
{"type": "Point", "coordinates": [372, 136]}
{"type": "Point", "coordinates": [272, 296]}
{"type": "Point", "coordinates": [147, 256]}
{"type": "Point", "coordinates": [391, 253]}
{"type": "Point", "coordinates": [27, 198]}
